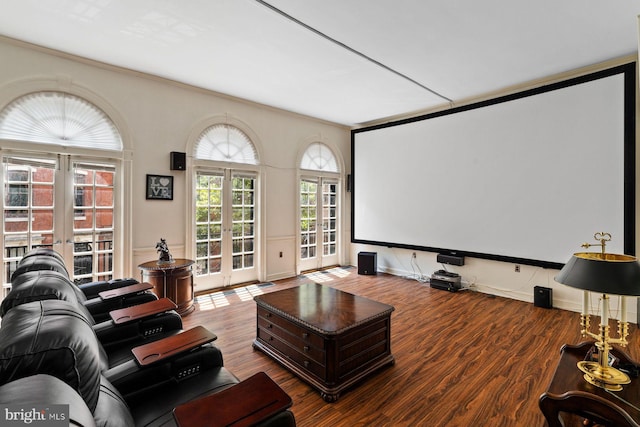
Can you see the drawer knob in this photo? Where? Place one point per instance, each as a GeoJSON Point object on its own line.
{"type": "Point", "coordinates": [270, 326]}
{"type": "Point", "coordinates": [270, 338]}
{"type": "Point", "coordinates": [305, 335]}
{"type": "Point", "coordinates": [306, 348]}
{"type": "Point", "coordinates": [306, 363]}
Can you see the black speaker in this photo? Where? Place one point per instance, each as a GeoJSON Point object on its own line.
{"type": "Point", "coordinates": [178, 161]}
{"type": "Point", "coordinates": [367, 263]}
{"type": "Point", "coordinates": [542, 297]}
{"type": "Point", "coordinates": [450, 259]}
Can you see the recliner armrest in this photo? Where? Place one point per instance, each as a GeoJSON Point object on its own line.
{"type": "Point", "coordinates": [166, 348]}
{"type": "Point", "coordinates": [92, 289]}
{"type": "Point", "coordinates": [133, 380]}
{"type": "Point", "coordinates": [248, 403]}
{"type": "Point", "coordinates": [142, 311]}
{"type": "Point", "coordinates": [114, 336]}
{"type": "Point", "coordinates": [125, 291]}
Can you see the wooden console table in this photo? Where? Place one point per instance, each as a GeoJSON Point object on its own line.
{"type": "Point", "coordinates": [171, 280]}
{"type": "Point", "coordinates": [571, 397]}
{"type": "Point", "coordinates": [329, 338]}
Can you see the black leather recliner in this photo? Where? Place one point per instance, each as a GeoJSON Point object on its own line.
{"type": "Point", "coordinates": [40, 392]}
{"type": "Point", "coordinates": [51, 337]}
{"type": "Point", "coordinates": [116, 339]}
{"type": "Point", "coordinates": [45, 259]}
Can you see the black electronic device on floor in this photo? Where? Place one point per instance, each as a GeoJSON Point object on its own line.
{"type": "Point", "coordinates": [446, 281]}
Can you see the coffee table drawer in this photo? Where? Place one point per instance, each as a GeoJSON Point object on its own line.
{"type": "Point", "coordinates": [305, 335]}
{"type": "Point", "coordinates": [303, 360]}
{"type": "Point", "coordinates": [299, 344]}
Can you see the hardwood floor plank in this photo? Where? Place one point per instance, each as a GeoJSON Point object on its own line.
{"type": "Point", "coordinates": [462, 358]}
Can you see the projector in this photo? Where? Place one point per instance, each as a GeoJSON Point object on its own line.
{"type": "Point", "coordinates": [445, 280]}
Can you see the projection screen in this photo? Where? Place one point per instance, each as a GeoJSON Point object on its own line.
{"type": "Point", "coordinates": [525, 178]}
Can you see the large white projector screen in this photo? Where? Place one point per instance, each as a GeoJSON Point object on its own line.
{"type": "Point", "coordinates": [525, 178]}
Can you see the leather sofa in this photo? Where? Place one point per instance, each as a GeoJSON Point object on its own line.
{"type": "Point", "coordinates": [52, 338]}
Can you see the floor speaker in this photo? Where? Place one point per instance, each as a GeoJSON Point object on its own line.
{"type": "Point", "coordinates": [178, 161]}
{"type": "Point", "coordinates": [542, 297]}
{"type": "Point", "coordinates": [367, 263]}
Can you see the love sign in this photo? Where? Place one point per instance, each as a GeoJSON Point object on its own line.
{"type": "Point", "coordinates": [159, 187]}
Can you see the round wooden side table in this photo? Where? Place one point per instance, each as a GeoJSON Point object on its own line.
{"type": "Point", "coordinates": [173, 280]}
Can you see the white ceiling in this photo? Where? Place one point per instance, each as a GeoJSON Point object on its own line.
{"type": "Point", "coordinates": [345, 61]}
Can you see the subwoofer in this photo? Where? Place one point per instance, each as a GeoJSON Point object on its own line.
{"type": "Point", "coordinates": [542, 297]}
{"type": "Point", "coordinates": [367, 263]}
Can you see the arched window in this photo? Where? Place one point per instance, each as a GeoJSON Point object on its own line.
{"type": "Point", "coordinates": [319, 157]}
{"type": "Point", "coordinates": [318, 207]}
{"type": "Point", "coordinates": [225, 143]}
{"type": "Point", "coordinates": [65, 202]}
{"type": "Point", "coordinates": [59, 118]}
{"type": "Point", "coordinates": [225, 210]}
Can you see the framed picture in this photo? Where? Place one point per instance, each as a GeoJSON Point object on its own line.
{"type": "Point", "coordinates": [159, 187]}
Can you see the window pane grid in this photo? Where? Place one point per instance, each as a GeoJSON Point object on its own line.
{"type": "Point", "coordinates": [28, 211]}
{"type": "Point", "coordinates": [243, 222]}
{"type": "Point", "coordinates": [329, 218]}
{"type": "Point", "coordinates": [209, 218]}
{"type": "Point", "coordinates": [308, 219]}
{"type": "Point", "coordinates": [93, 223]}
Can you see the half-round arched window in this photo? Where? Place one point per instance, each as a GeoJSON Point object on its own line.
{"type": "Point", "coordinates": [59, 118]}
{"type": "Point", "coordinates": [319, 157]}
{"type": "Point", "coordinates": [226, 143]}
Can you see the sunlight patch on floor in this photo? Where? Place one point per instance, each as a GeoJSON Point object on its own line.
{"type": "Point", "coordinates": [328, 275]}
{"type": "Point", "coordinates": [248, 292]}
{"type": "Point", "coordinates": [211, 301]}
{"type": "Point", "coordinates": [227, 297]}
{"type": "Point", "coordinates": [318, 277]}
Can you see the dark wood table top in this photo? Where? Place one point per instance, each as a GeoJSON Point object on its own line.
{"type": "Point", "coordinates": [155, 265]}
{"type": "Point", "coordinates": [323, 308]}
{"type": "Point", "coordinates": [244, 404]}
{"type": "Point", "coordinates": [570, 392]}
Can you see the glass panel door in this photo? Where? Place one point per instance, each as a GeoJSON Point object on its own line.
{"type": "Point", "coordinates": [318, 223]}
{"type": "Point", "coordinates": [38, 192]}
{"type": "Point", "coordinates": [224, 229]}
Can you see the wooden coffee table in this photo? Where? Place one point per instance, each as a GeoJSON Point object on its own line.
{"type": "Point", "coordinates": [329, 338]}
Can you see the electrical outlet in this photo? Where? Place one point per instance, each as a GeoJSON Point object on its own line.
{"type": "Point", "coordinates": [517, 269]}
{"type": "Point", "coordinates": [413, 255]}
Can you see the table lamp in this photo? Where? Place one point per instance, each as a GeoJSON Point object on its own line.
{"type": "Point", "coordinates": [607, 274]}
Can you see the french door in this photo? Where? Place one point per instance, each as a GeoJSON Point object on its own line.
{"type": "Point", "coordinates": [63, 203]}
{"type": "Point", "coordinates": [318, 223]}
{"type": "Point", "coordinates": [225, 228]}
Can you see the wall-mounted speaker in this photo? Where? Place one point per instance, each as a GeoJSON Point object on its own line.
{"type": "Point", "coordinates": [178, 161]}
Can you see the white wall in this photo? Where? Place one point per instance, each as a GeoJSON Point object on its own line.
{"type": "Point", "coordinates": [156, 117]}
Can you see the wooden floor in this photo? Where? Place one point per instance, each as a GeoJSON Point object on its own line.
{"type": "Point", "coordinates": [462, 359]}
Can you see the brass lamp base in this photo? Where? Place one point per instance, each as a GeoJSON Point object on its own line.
{"type": "Point", "coordinates": [604, 377]}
